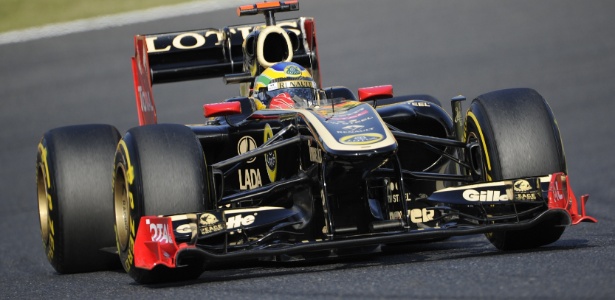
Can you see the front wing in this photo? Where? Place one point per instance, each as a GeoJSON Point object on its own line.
{"type": "Point", "coordinates": [171, 241]}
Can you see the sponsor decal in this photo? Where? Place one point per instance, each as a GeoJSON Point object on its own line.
{"type": "Point", "coordinates": [349, 122]}
{"type": "Point", "coordinates": [184, 229]}
{"type": "Point", "coordinates": [523, 190]}
{"type": "Point", "coordinates": [416, 215]}
{"type": "Point", "coordinates": [420, 103]}
{"type": "Point", "coordinates": [484, 196]}
{"type": "Point", "coordinates": [522, 186]}
{"type": "Point", "coordinates": [292, 70]}
{"type": "Point", "coordinates": [159, 232]}
{"type": "Point", "coordinates": [196, 39]}
{"type": "Point", "coordinates": [245, 144]}
{"type": "Point", "coordinates": [393, 195]}
{"type": "Point", "coordinates": [290, 84]}
{"type": "Point", "coordinates": [249, 179]}
{"type": "Point", "coordinates": [209, 223]}
{"type": "Point", "coordinates": [354, 129]}
{"type": "Point", "coordinates": [271, 158]}
{"type": "Point", "coordinates": [349, 115]}
{"type": "Point", "coordinates": [419, 215]}
{"type": "Point", "coordinates": [558, 193]}
{"type": "Point", "coordinates": [361, 139]}
{"type": "Point", "coordinates": [184, 41]}
{"type": "Point", "coordinates": [244, 30]}
{"type": "Point", "coordinates": [395, 215]}
{"type": "Point", "coordinates": [315, 154]}
{"type": "Point", "coordinates": [458, 118]}
{"type": "Point", "coordinates": [146, 100]}
{"type": "Point", "coordinates": [526, 196]}
{"type": "Point", "coordinates": [238, 221]}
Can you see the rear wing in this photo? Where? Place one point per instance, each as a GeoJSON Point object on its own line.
{"type": "Point", "coordinates": [236, 53]}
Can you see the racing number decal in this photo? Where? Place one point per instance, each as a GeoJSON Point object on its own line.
{"type": "Point", "coordinates": [271, 158]}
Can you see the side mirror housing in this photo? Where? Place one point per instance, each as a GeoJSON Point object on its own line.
{"type": "Point", "coordinates": [221, 109]}
{"type": "Point", "coordinates": [375, 92]}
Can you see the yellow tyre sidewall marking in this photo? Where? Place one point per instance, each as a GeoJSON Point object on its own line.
{"type": "Point", "coordinates": [129, 177]}
{"type": "Point", "coordinates": [50, 243]}
{"type": "Point", "coordinates": [43, 152]}
{"type": "Point", "coordinates": [482, 139]}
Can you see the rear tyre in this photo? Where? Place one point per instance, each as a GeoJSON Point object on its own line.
{"type": "Point", "coordinates": [73, 176]}
{"type": "Point", "coordinates": [518, 138]}
{"type": "Point", "coordinates": [159, 170]}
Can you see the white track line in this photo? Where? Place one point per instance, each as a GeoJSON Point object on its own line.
{"type": "Point", "coordinates": [152, 14]}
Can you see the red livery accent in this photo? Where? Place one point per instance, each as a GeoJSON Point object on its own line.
{"type": "Point", "coordinates": [277, 6]}
{"type": "Point", "coordinates": [310, 32]}
{"type": "Point", "coordinates": [221, 109]}
{"type": "Point", "coordinates": [562, 196]}
{"type": "Point", "coordinates": [155, 243]}
{"type": "Point", "coordinates": [146, 109]}
{"type": "Point", "coordinates": [375, 92]}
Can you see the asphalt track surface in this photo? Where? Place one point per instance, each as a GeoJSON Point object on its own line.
{"type": "Point", "coordinates": [563, 49]}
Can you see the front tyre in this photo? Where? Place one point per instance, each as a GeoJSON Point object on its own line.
{"type": "Point", "coordinates": [159, 170]}
{"type": "Point", "coordinates": [73, 176]}
{"type": "Point", "coordinates": [518, 137]}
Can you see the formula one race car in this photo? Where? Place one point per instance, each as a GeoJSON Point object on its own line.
{"type": "Point", "coordinates": [321, 175]}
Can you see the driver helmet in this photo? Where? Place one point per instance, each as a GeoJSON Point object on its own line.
{"type": "Point", "coordinates": [285, 77]}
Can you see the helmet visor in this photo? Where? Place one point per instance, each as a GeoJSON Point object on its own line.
{"type": "Point", "coordinates": [303, 93]}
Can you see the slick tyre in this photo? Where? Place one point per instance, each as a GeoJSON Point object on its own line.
{"type": "Point", "coordinates": [518, 137]}
{"type": "Point", "coordinates": [73, 176]}
{"type": "Point", "coordinates": [159, 170]}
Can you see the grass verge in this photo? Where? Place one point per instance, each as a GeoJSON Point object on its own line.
{"type": "Point", "coordinates": [20, 14]}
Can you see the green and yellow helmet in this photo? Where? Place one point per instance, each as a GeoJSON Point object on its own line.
{"type": "Point", "coordinates": [284, 77]}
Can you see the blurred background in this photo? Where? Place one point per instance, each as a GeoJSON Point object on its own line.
{"type": "Point", "coordinates": [20, 14]}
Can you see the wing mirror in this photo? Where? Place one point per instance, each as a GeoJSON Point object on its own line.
{"type": "Point", "coordinates": [375, 92]}
{"type": "Point", "coordinates": [221, 109]}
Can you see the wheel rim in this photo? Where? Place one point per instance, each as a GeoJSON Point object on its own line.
{"type": "Point", "coordinates": [121, 201]}
{"type": "Point", "coordinates": [43, 202]}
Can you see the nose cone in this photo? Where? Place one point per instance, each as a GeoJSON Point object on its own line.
{"type": "Point", "coordinates": [351, 129]}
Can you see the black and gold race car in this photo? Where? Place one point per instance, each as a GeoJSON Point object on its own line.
{"type": "Point", "coordinates": [341, 174]}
